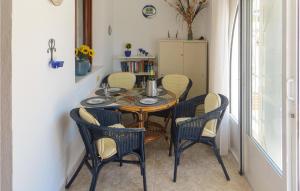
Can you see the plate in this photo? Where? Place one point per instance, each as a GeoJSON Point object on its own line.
{"type": "Point", "coordinates": [113, 90]}
{"type": "Point", "coordinates": [95, 101]}
{"type": "Point", "coordinates": [149, 101]}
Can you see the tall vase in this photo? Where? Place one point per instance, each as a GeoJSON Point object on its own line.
{"type": "Point", "coordinates": [82, 67]}
{"type": "Point", "coordinates": [190, 32]}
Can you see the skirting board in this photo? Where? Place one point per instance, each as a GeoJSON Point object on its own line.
{"type": "Point", "coordinates": [235, 155]}
{"type": "Point", "coordinates": [72, 171]}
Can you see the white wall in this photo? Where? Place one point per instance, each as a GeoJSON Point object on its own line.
{"type": "Point", "coordinates": [129, 25]}
{"type": "Point", "coordinates": [46, 143]}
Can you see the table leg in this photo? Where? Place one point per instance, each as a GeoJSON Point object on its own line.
{"type": "Point", "coordinates": [141, 119]}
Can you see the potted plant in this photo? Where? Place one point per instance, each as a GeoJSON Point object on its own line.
{"type": "Point", "coordinates": [128, 50]}
{"type": "Point", "coordinates": [188, 9]}
{"type": "Point", "coordinates": [82, 62]}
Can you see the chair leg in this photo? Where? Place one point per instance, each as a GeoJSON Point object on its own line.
{"type": "Point", "coordinates": [175, 166]}
{"type": "Point", "coordinates": [216, 151]}
{"type": "Point", "coordinates": [144, 176]}
{"type": "Point", "coordinates": [121, 162]}
{"type": "Point", "coordinates": [76, 173]}
{"type": "Point", "coordinates": [171, 147]}
{"type": "Point", "coordinates": [94, 179]}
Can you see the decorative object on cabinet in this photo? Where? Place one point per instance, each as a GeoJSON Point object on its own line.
{"type": "Point", "coordinates": [53, 63]}
{"type": "Point", "coordinates": [188, 10]}
{"type": "Point", "coordinates": [128, 50]}
{"type": "Point", "coordinates": [57, 2]}
{"type": "Point", "coordinates": [144, 67]}
{"type": "Point", "coordinates": [142, 52]}
{"type": "Point", "coordinates": [82, 62]}
{"type": "Point", "coordinates": [149, 11]}
{"type": "Point", "coordinates": [188, 58]}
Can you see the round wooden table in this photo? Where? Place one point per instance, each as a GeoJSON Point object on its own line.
{"type": "Point", "coordinates": [128, 102]}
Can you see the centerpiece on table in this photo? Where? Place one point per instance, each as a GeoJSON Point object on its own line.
{"type": "Point", "coordinates": [188, 9]}
{"type": "Point", "coordinates": [82, 60]}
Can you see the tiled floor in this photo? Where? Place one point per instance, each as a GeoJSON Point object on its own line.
{"type": "Point", "coordinates": [198, 171]}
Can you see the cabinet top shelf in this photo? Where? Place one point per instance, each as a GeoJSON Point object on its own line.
{"type": "Point", "coordinates": [135, 58]}
{"type": "Point", "coordinates": [186, 41]}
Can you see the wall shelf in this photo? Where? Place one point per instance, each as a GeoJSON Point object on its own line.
{"type": "Point", "coordinates": [95, 68]}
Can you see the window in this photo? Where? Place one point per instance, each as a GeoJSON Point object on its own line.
{"type": "Point", "coordinates": [234, 69]}
{"type": "Point", "coordinates": [267, 77]}
{"type": "Point", "coordinates": [83, 15]}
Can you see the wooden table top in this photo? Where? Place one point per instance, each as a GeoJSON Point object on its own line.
{"type": "Point", "coordinates": [128, 100]}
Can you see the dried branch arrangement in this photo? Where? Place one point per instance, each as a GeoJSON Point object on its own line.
{"type": "Point", "coordinates": [188, 9]}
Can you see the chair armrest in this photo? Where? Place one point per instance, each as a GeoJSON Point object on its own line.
{"type": "Point", "coordinates": [188, 108]}
{"type": "Point", "coordinates": [192, 129]}
{"type": "Point", "coordinates": [106, 117]}
{"type": "Point", "coordinates": [127, 139]}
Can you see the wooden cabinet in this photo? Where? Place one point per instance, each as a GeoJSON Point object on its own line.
{"type": "Point", "coordinates": [188, 58]}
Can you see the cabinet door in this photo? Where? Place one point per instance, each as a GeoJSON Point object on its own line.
{"type": "Point", "coordinates": [195, 66]}
{"type": "Point", "coordinates": [171, 58]}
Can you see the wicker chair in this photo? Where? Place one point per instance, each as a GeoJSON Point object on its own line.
{"type": "Point", "coordinates": [170, 83]}
{"type": "Point", "coordinates": [121, 80]}
{"type": "Point", "coordinates": [127, 141]}
{"type": "Point", "coordinates": [188, 130]}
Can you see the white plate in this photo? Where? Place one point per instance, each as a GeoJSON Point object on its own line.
{"type": "Point", "coordinates": [149, 101]}
{"type": "Point", "coordinates": [159, 90]}
{"type": "Point", "coordinates": [112, 90]}
{"type": "Point", "coordinates": [95, 101]}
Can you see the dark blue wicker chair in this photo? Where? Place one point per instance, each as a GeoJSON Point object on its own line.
{"type": "Point", "coordinates": [128, 141]}
{"type": "Point", "coordinates": [189, 132]}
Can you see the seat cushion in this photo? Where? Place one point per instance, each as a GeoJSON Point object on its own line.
{"type": "Point", "coordinates": [205, 132]}
{"type": "Point", "coordinates": [122, 80]}
{"type": "Point", "coordinates": [175, 83]}
{"type": "Point", "coordinates": [106, 146]}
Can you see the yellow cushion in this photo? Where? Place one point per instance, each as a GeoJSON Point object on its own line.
{"type": "Point", "coordinates": [122, 80]}
{"type": "Point", "coordinates": [212, 102]}
{"type": "Point", "coordinates": [106, 146]}
{"type": "Point", "coordinates": [175, 83]}
{"type": "Point", "coordinates": [86, 116]}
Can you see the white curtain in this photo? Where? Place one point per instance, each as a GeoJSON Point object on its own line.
{"type": "Point", "coordinates": [219, 62]}
{"type": "Point", "coordinates": [219, 47]}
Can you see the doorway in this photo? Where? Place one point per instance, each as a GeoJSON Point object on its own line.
{"type": "Point", "coordinates": [268, 99]}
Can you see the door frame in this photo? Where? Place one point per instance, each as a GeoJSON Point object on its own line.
{"type": "Point", "coordinates": [5, 96]}
{"type": "Point", "coordinates": [248, 144]}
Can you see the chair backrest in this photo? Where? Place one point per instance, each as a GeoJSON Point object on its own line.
{"type": "Point", "coordinates": [85, 133]}
{"type": "Point", "coordinates": [214, 103]}
{"type": "Point", "coordinates": [178, 84]}
{"type": "Point", "coordinates": [122, 80]}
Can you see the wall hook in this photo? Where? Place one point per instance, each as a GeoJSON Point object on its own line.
{"type": "Point", "coordinates": [51, 49]}
{"type": "Point", "coordinates": [53, 64]}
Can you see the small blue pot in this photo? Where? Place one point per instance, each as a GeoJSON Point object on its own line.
{"type": "Point", "coordinates": [82, 67]}
{"type": "Point", "coordinates": [127, 53]}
